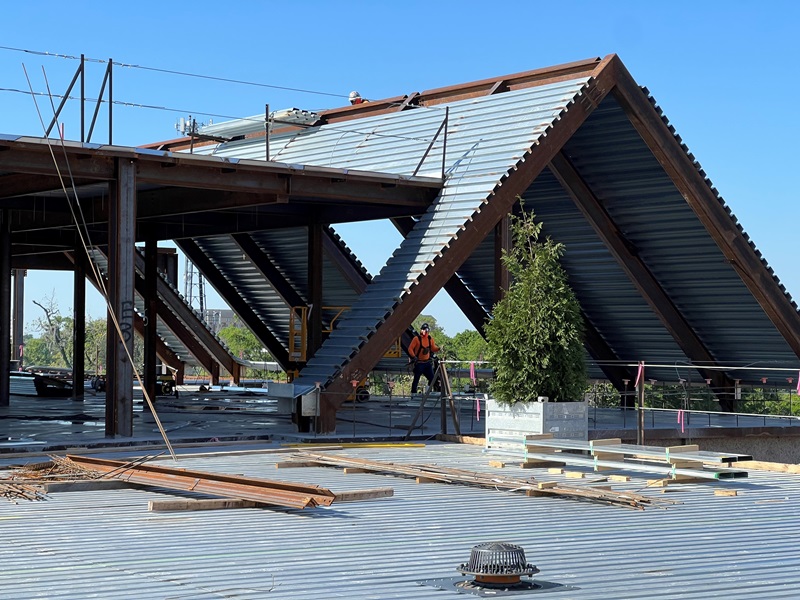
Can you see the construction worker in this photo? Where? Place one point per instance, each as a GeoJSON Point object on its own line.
{"type": "Point", "coordinates": [419, 352]}
{"type": "Point", "coordinates": [355, 98]}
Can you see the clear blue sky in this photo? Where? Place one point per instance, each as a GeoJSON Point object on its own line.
{"type": "Point", "coordinates": [725, 73]}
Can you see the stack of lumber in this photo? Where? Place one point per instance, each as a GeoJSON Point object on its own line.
{"type": "Point", "coordinates": [435, 473]}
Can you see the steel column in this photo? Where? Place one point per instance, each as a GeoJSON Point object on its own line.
{"type": "Point", "coordinates": [5, 307]}
{"type": "Point", "coordinates": [502, 244]}
{"type": "Point", "coordinates": [151, 316]}
{"type": "Point", "coordinates": [314, 288]}
{"type": "Point", "coordinates": [18, 320]}
{"type": "Point", "coordinates": [121, 235]}
{"type": "Point", "coordinates": [79, 324]}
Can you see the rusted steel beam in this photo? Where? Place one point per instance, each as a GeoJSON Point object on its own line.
{"type": "Point", "coordinates": [149, 294]}
{"type": "Point", "coordinates": [22, 184]}
{"type": "Point", "coordinates": [514, 183]}
{"type": "Point", "coordinates": [455, 287]}
{"type": "Point", "coordinates": [236, 302]}
{"type": "Point", "coordinates": [266, 491]}
{"type": "Point", "coordinates": [712, 214]}
{"type": "Point", "coordinates": [264, 264]}
{"type": "Point", "coordinates": [185, 324]}
{"type": "Point", "coordinates": [473, 89]}
{"type": "Point", "coordinates": [635, 268]}
{"type": "Point", "coordinates": [502, 244]}
{"type": "Point", "coordinates": [344, 262]}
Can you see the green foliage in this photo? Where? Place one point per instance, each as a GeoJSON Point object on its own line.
{"type": "Point", "coordinates": [467, 345]}
{"type": "Point", "coordinates": [535, 336]}
{"type": "Point", "coordinates": [243, 343]}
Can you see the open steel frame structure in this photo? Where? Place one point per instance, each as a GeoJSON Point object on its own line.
{"type": "Point", "coordinates": [663, 271]}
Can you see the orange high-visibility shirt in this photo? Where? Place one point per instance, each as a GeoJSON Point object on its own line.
{"type": "Point", "coordinates": [421, 347]}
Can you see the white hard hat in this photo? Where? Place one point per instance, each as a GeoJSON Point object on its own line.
{"type": "Point", "coordinates": [354, 95]}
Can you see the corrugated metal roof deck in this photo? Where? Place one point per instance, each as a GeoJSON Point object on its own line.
{"type": "Point", "coordinates": [106, 545]}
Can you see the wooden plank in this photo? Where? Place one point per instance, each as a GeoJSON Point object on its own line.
{"type": "Point", "coordinates": [773, 467]}
{"type": "Point", "coordinates": [531, 463]}
{"type": "Point", "coordinates": [619, 478]}
{"type": "Point", "coordinates": [544, 485]}
{"type": "Point", "coordinates": [84, 485]}
{"type": "Point", "coordinates": [726, 493]}
{"type": "Point", "coordinates": [498, 464]}
{"type": "Point", "coordinates": [201, 504]}
{"type": "Point", "coordinates": [294, 464]}
{"type": "Point", "coordinates": [555, 471]}
{"type": "Point", "coordinates": [354, 470]}
{"type": "Point", "coordinates": [685, 448]}
{"type": "Point", "coordinates": [461, 439]}
{"type": "Point", "coordinates": [358, 495]}
{"type": "Point", "coordinates": [606, 442]}
{"type": "Point", "coordinates": [575, 474]}
{"type": "Point", "coordinates": [426, 480]}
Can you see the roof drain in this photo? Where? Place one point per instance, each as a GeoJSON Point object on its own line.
{"type": "Point", "coordinates": [497, 566]}
{"type": "Point", "coordinates": [496, 569]}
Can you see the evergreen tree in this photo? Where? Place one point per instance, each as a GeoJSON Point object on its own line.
{"type": "Point", "coordinates": [535, 335]}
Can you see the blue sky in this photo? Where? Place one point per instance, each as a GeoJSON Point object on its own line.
{"type": "Point", "coordinates": [725, 74]}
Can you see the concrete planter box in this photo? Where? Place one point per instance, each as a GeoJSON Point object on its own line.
{"type": "Point", "coordinates": [507, 426]}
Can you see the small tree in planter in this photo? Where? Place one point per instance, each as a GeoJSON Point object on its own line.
{"type": "Point", "coordinates": [535, 336]}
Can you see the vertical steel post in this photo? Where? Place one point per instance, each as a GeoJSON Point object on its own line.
{"type": "Point", "coordinates": [79, 323]}
{"type": "Point", "coordinates": [18, 319]}
{"type": "Point", "coordinates": [5, 307]}
{"type": "Point", "coordinates": [121, 238]}
{"type": "Point", "coordinates": [110, 102]}
{"type": "Point", "coordinates": [444, 142]}
{"type": "Point", "coordinates": [266, 130]}
{"type": "Point", "coordinates": [151, 314]}
{"type": "Point", "coordinates": [640, 408]}
{"type": "Point", "coordinates": [83, 98]}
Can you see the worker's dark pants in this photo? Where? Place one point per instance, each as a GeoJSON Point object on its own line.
{"type": "Point", "coordinates": [421, 368]}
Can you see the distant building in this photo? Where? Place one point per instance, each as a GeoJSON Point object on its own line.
{"type": "Point", "coordinates": [220, 318]}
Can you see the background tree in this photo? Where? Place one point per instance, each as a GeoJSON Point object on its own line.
{"type": "Point", "coordinates": [535, 335]}
{"type": "Point", "coordinates": [56, 334]}
{"type": "Point", "coordinates": [468, 345]}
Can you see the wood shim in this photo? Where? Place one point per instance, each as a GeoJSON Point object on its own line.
{"type": "Point", "coordinates": [461, 439]}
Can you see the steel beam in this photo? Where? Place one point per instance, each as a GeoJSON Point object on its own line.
{"type": "Point", "coordinates": [236, 302]}
{"type": "Point", "coordinates": [184, 323]}
{"type": "Point", "coordinates": [149, 293]}
{"type": "Point", "coordinates": [505, 195]}
{"type": "Point", "coordinates": [314, 288]}
{"type": "Point", "coordinates": [79, 324]}
{"type": "Point", "coordinates": [266, 491]}
{"type": "Point", "coordinates": [502, 245]}
{"type": "Point", "coordinates": [258, 257]}
{"type": "Point", "coordinates": [18, 319]}
{"type": "Point", "coordinates": [455, 286]}
{"type": "Point", "coordinates": [701, 198]}
{"type": "Point", "coordinates": [121, 235]}
{"type": "Point", "coordinates": [636, 270]}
